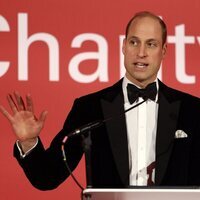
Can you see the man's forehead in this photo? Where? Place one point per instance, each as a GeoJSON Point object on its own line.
{"type": "Point", "coordinates": [148, 27]}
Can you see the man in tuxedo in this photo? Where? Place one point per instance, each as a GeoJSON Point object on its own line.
{"type": "Point", "coordinates": [156, 143]}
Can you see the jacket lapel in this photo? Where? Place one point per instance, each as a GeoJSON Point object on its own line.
{"type": "Point", "coordinates": [166, 127]}
{"type": "Point", "coordinates": [113, 107]}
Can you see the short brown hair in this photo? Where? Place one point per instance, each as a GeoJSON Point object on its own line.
{"type": "Point", "coordinates": [152, 15]}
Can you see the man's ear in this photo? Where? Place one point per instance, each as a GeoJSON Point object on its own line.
{"type": "Point", "coordinates": [123, 46]}
{"type": "Point", "coordinates": [164, 50]}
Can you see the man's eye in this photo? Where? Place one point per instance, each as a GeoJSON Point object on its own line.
{"type": "Point", "coordinates": [152, 44]}
{"type": "Point", "coordinates": [134, 43]}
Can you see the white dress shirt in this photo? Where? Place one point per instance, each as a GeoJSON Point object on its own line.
{"type": "Point", "coordinates": [141, 131]}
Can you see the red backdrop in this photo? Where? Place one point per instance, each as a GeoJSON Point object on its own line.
{"type": "Point", "coordinates": [60, 50]}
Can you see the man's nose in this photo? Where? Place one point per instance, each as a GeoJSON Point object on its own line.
{"type": "Point", "coordinates": [142, 52]}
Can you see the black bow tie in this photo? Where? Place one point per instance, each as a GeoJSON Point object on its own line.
{"type": "Point", "coordinates": [147, 93]}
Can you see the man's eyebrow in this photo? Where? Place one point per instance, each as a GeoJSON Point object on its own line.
{"type": "Point", "coordinates": [152, 40]}
{"type": "Point", "coordinates": [134, 37]}
{"type": "Point", "coordinates": [138, 39]}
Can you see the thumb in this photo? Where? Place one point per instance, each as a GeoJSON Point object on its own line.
{"type": "Point", "coordinates": [43, 116]}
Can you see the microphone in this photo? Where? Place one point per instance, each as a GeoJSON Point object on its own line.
{"type": "Point", "coordinates": [86, 128]}
{"type": "Point", "coordinates": [97, 123]}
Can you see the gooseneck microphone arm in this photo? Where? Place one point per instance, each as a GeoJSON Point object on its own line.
{"type": "Point", "coordinates": [97, 123]}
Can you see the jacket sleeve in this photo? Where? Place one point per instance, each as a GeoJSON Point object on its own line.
{"type": "Point", "coordinates": [46, 169]}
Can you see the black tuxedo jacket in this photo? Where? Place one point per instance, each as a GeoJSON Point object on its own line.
{"type": "Point", "coordinates": [177, 159]}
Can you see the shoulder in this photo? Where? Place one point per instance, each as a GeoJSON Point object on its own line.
{"type": "Point", "coordinates": [173, 94]}
{"type": "Point", "coordinates": [106, 93]}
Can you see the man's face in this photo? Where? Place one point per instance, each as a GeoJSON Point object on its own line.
{"type": "Point", "coordinates": [143, 51]}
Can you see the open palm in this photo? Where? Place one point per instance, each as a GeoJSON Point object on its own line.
{"type": "Point", "coordinates": [23, 120]}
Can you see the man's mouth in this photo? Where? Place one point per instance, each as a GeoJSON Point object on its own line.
{"type": "Point", "coordinates": [140, 64]}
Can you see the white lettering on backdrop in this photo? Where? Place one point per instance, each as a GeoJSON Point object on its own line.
{"type": "Point", "coordinates": [101, 55]}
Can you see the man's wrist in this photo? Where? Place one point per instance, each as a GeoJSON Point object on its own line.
{"type": "Point", "coordinates": [25, 147]}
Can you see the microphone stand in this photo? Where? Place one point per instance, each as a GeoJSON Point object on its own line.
{"type": "Point", "coordinates": [85, 132]}
{"type": "Point", "coordinates": [87, 143]}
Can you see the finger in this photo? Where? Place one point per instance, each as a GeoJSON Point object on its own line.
{"type": "Point", "coordinates": [6, 113]}
{"type": "Point", "coordinates": [29, 103]}
{"type": "Point", "coordinates": [20, 102]}
{"type": "Point", "coordinates": [12, 103]}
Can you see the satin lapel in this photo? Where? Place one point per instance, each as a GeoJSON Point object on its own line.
{"type": "Point", "coordinates": [167, 121]}
{"type": "Point", "coordinates": [116, 129]}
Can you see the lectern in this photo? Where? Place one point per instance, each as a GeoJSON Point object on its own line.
{"type": "Point", "coordinates": [141, 194]}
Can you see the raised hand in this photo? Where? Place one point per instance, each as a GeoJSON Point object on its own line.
{"type": "Point", "coordinates": [23, 120]}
